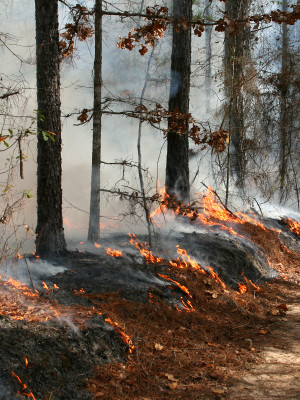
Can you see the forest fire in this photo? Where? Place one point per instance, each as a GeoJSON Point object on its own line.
{"type": "Point", "coordinates": [185, 262]}
{"type": "Point", "coordinates": [190, 285]}
{"type": "Point", "coordinates": [207, 211]}
{"type": "Point", "coordinates": [125, 337]}
{"type": "Point", "coordinates": [143, 249]}
{"type": "Point", "coordinates": [19, 286]}
{"type": "Point", "coordinates": [293, 225]}
{"type": "Point", "coordinates": [114, 252]}
{"type": "Point", "coordinates": [24, 391]}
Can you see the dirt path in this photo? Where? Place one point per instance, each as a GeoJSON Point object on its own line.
{"type": "Point", "coordinates": [277, 376]}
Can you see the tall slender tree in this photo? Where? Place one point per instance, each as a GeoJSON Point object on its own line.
{"type": "Point", "coordinates": [94, 220]}
{"type": "Point", "coordinates": [177, 169]}
{"type": "Point", "coordinates": [50, 233]}
{"type": "Point", "coordinates": [208, 35]}
{"type": "Point", "coordinates": [284, 83]}
{"type": "Point", "coordinates": [236, 53]}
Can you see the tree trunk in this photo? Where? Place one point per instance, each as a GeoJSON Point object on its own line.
{"type": "Point", "coordinates": [208, 33]}
{"type": "Point", "coordinates": [284, 88]}
{"type": "Point", "coordinates": [50, 233]}
{"type": "Point", "coordinates": [94, 221]}
{"type": "Point", "coordinates": [177, 169]}
{"type": "Point", "coordinates": [236, 52]}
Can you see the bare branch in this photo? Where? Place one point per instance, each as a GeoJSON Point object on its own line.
{"type": "Point", "coordinates": [8, 94]}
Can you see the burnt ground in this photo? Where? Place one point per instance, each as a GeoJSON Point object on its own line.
{"type": "Point", "coordinates": [181, 345]}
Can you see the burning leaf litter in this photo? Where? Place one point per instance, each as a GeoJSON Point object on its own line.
{"type": "Point", "coordinates": [113, 252]}
{"type": "Point", "coordinates": [24, 391]}
{"type": "Point", "coordinates": [25, 304]}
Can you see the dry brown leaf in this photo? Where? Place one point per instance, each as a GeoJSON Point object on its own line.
{"type": "Point", "coordinates": [275, 311]}
{"type": "Point", "coordinates": [173, 385]}
{"type": "Point", "coordinates": [218, 391]}
{"type": "Point", "coordinates": [158, 346]}
{"type": "Point", "coordinates": [262, 332]}
{"type": "Point", "coordinates": [282, 307]}
{"type": "Point", "coordinates": [171, 377]}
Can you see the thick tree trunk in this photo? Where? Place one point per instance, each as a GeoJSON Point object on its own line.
{"type": "Point", "coordinates": [236, 53]}
{"type": "Point", "coordinates": [50, 233]}
{"type": "Point", "coordinates": [177, 169]}
{"type": "Point", "coordinates": [94, 221]}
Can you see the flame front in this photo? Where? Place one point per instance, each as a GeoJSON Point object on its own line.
{"type": "Point", "coordinates": [114, 252]}
{"type": "Point", "coordinates": [293, 225]}
{"type": "Point", "coordinates": [212, 212]}
{"type": "Point", "coordinates": [126, 339]}
{"type": "Point", "coordinates": [143, 249]}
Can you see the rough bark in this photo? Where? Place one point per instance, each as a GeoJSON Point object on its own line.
{"type": "Point", "coordinates": [177, 169]}
{"type": "Point", "coordinates": [50, 233]}
{"type": "Point", "coordinates": [236, 53]}
{"type": "Point", "coordinates": [208, 54]}
{"type": "Point", "coordinates": [284, 92]}
{"type": "Point", "coordinates": [94, 221]}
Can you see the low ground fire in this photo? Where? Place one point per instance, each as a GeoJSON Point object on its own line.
{"type": "Point", "coordinates": [130, 321]}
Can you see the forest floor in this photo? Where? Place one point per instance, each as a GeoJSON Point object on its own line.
{"type": "Point", "coordinates": [276, 374]}
{"type": "Point", "coordinates": [236, 348]}
{"type": "Point", "coordinates": [119, 329]}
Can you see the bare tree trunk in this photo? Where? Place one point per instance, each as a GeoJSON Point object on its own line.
{"type": "Point", "coordinates": [236, 52]}
{"type": "Point", "coordinates": [50, 233]}
{"type": "Point", "coordinates": [208, 32]}
{"type": "Point", "coordinates": [94, 220]}
{"type": "Point", "coordinates": [284, 86]}
{"type": "Point", "coordinates": [177, 169]}
{"type": "Point", "coordinates": [145, 205]}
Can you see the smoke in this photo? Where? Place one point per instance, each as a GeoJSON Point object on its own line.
{"type": "Point", "coordinates": [277, 211]}
{"type": "Point", "coordinates": [29, 271]}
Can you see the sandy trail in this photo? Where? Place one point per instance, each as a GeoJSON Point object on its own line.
{"type": "Point", "coordinates": [277, 376]}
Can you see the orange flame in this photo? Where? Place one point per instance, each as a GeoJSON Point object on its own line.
{"type": "Point", "coordinates": [97, 245]}
{"type": "Point", "coordinates": [212, 212]}
{"type": "Point", "coordinates": [143, 249]}
{"type": "Point", "coordinates": [45, 286]}
{"type": "Point", "coordinates": [26, 361]}
{"type": "Point", "coordinates": [81, 291]}
{"type": "Point", "coordinates": [126, 339]}
{"type": "Point", "coordinates": [242, 288]}
{"type": "Point", "coordinates": [187, 261]}
{"type": "Point", "coordinates": [114, 252]}
{"type": "Point", "coordinates": [182, 287]}
{"type": "Point", "coordinates": [151, 298]}
{"type": "Point", "coordinates": [293, 225]}
{"type": "Point", "coordinates": [24, 387]}
{"type": "Point", "coordinates": [20, 286]}
{"type": "Point", "coordinates": [216, 277]}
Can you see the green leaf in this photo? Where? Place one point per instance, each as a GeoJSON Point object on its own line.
{"type": "Point", "coordinates": [45, 136]}
{"type": "Point", "coordinates": [6, 144]}
{"type": "Point", "coordinates": [28, 194]}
